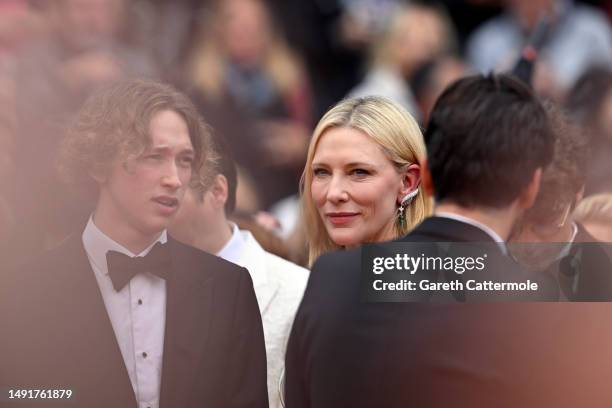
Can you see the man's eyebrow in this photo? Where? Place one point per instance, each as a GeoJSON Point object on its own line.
{"type": "Point", "coordinates": [164, 148]}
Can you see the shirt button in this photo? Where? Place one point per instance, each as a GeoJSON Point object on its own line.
{"type": "Point", "coordinates": [144, 354]}
{"type": "Point", "coordinates": [140, 301]}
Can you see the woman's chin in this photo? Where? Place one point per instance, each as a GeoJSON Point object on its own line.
{"type": "Point", "coordinates": [346, 240]}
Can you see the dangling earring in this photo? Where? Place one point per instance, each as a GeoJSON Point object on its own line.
{"type": "Point", "coordinates": [401, 211]}
{"type": "Point", "coordinates": [401, 217]}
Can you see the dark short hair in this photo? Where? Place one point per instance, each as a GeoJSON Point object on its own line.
{"type": "Point", "coordinates": [225, 165]}
{"type": "Point", "coordinates": [113, 124]}
{"type": "Point", "coordinates": [566, 175]}
{"type": "Point", "coordinates": [485, 138]}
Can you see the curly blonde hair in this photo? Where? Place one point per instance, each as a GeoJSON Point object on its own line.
{"type": "Point", "coordinates": [113, 125]}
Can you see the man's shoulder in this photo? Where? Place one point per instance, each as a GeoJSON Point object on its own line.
{"type": "Point", "coordinates": [335, 275]}
{"type": "Point", "coordinates": [285, 271]}
{"type": "Point", "coordinates": [337, 262]}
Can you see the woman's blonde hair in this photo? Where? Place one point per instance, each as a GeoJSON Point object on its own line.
{"type": "Point", "coordinates": [595, 208]}
{"type": "Point", "coordinates": [382, 50]}
{"type": "Point", "coordinates": [207, 59]}
{"type": "Point", "coordinates": [399, 137]}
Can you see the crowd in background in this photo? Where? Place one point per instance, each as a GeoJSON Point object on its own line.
{"type": "Point", "coordinates": [262, 73]}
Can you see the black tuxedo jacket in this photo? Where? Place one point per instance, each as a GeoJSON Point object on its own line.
{"type": "Point", "coordinates": [344, 352]}
{"type": "Point", "coordinates": [56, 333]}
{"type": "Point", "coordinates": [585, 273]}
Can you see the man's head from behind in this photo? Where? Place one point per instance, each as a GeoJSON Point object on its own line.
{"type": "Point", "coordinates": [138, 142]}
{"type": "Point", "coordinates": [487, 140]}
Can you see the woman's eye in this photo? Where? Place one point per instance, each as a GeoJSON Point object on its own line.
{"type": "Point", "coordinates": [360, 172]}
{"type": "Point", "coordinates": [320, 172]}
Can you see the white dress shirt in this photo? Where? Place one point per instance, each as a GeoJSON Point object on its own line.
{"type": "Point", "coordinates": [279, 286]}
{"type": "Point", "coordinates": [137, 313]}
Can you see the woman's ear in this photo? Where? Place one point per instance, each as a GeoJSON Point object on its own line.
{"type": "Point", "coordinates": [411, 179]}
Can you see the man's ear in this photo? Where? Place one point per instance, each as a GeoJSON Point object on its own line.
{"type": "Point", "coordinates": [426, 180]}
{"type": "Point", "coordinates": [528, 196]}
{"type": "Point", "coordinates": [219, 191]}
{"type": "Point", "coordinates": [411, 179]}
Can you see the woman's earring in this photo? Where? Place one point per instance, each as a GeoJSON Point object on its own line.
{"type": "Point", "coordinates": [401, 217]}
{"type": "Point", "coordinates": [401, 211]}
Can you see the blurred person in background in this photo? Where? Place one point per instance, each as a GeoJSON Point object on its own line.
{"type": "Point", "coordinates": [242, 69]}
{"type": "Point", "coordinates": [82, 50]}
{"type": "Point", "coordinates": [7, 173]}
{"type": "Point", "coordinates": [430, 80]}
{"type": "Point", "coordinates": [590, 103]}
{"type": "Point", "coordinates": [20, 24]}
{"type": "Point", "coordinates": [578, 36]}
{"type": "Point", "coordinates": [168, 29]}
{"type": "Point", "coordinates": [362, 179]}
{"type": "Point", "coordinates": [412, 36]}
{"type": "Point", "coordinates": [594, 213]}
{"type": "Point", "coordinates": [204, 222]}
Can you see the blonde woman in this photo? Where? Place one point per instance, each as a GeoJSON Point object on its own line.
{"type": "Point", "coordinates": [256, 93]}
{"type": "Point", "coordinates": [414, 35]}
{"type": "Point", "coordinates": [594, 213]}
{"type": "Point", "coordinates": [361, 182]}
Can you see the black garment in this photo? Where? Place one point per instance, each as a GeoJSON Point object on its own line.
{"type": "Point", "coordinates": [347, 353]}
{"type": "Point", "coordinates": [56, 333]}
{"type": "Point", "coordinates": [585, 273]}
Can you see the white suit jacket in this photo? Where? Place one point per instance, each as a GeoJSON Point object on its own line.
{"type": "Point", "coordinates": [279, 287]}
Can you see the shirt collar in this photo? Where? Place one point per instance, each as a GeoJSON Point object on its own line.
{"type": "Point", "coordinates": [566, 248]}
{"type": "Point", "coordinates": [484, 228]}
{"type": "Point", "coordinates": [233, 248]}
{"type": "Point", "coordinates": [97, 244]}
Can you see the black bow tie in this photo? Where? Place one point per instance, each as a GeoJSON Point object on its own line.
{"type": "Point", "coordinates": [123, 268]}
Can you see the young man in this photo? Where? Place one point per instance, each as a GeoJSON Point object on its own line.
{"type": "Point", "coordinates": [123, 315]}
{"type": "Point", "coordinates": [547, 238]}
{"type": "Point", "coordinates": [488, 141]}
{"type": "Point", "coordinates": [279, 284]}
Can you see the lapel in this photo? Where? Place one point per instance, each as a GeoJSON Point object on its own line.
{"type": "Point", "coordinates": [87, 333]}
{"type": "Point", "coordinates": [253, 258]}
{"type": "Point", "coordinates": [189, 311]}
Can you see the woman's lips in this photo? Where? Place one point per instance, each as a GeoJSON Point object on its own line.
{"type": "Point", "coordinates": [341, 218]}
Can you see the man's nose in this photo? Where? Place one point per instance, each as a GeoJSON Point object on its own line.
{"type": "Point", "coordinates": [171, 177]}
